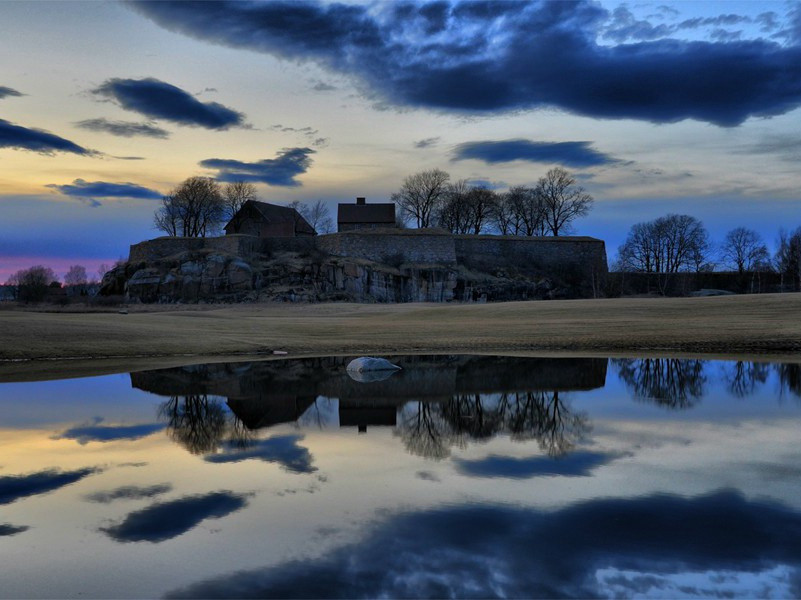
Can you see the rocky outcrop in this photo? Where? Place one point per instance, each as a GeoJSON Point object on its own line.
{"type": "Point", "coordinates": [344, 267]}
{"type": "Point", "coordinates": [286, 277]}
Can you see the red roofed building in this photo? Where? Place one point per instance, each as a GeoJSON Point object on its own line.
{"type": "Point", "coordinates": [268, 221]}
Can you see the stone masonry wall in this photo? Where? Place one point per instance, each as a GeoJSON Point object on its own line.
{"type": "Point", "coordinates": [411, 246]}
{"type": "Point", "coordinates": [583, 257]}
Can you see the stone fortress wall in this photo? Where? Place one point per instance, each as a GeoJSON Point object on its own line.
{"type": "Point", "coordinates": [579, 260]}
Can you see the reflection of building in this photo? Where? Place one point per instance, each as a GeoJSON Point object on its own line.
{"type": "Point", "coordinates": [362, 416]}
{"type": "Point", "coordinates": [263, 394]}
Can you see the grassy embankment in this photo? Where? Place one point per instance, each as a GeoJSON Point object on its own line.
{"type": "Point", "coordinates": [163, 336]}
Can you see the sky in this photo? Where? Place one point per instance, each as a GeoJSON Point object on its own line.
{"type": "Point", "coordinates": [655, 108]}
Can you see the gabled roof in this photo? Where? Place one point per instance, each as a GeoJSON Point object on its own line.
{"type": "Point", "coordinates": [366, 213]}
{"type": "Point", "coordinates": [273, 213]}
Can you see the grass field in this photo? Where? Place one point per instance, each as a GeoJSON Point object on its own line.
{"type": "Point", "coordinates": [730, 325]}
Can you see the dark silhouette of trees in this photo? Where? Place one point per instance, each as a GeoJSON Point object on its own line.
{"type": "Point", "coordinates": [196, 208]}
{"type": "Point", "coordinates": [744, 250]}
{"type": "Point", "coordinates": [665, 246]}
{"type": "Point", "coordinates": [32, 284]}
{"type": "Point", "coordinates": [562, 199]}
{"type": "Point", "coordinates": [421, 194]}
{"type": "Point", "coordinates": [465, 209]}
{"type": "Point", "coordinates": [788, 258]}
{"type": "Point", "coordinates": [235, 194]}
{"type": "Point", "coordinates": [669, 382]}
{"type": "Point", "coordinates": [520, 211]}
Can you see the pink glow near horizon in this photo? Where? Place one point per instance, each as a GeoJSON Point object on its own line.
{"type": "Point", "coordinates": [60, 265]}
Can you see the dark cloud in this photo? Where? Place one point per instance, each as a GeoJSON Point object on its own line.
{"type": "Point", "coordinates": [487, 184]}
{"type": "Point", "coordinates": [95, 432]}
{"type": "Point", "coordinates": [8, 530]}
{"type": "Point", "coordinates": [625, 26]}
{"type": "Point", "coordinates": [124, 128]}
{"type": "Point", "coordinates": [129, 157]}
{"type": "Point", "coordinates": [506, 551]}
{"type": "Point", "coordinates": [486, 57]}
{"type": "Point", "coordinates": [281, 449]}
{"type": "Point", "coordinates": [37, 140]}
{"type": "Point", "coordinates": [571, 154]}
{"type": "Point", "coordinates": [428, 476]}
{"type": "Point", "coordinates": [279, 171]}
{"type": "Point", "coordinates": [787, 147]}
{"type": "Point", "coordinates": [427, 142]}
{"type": "Point", "coordinates": [6, 92]}
{"type": "Point", "coordinates": [575, 464]}
{"type": "Point", "coordinates": [724, 35]}
{"type": "Point", "coordinates": [15, 487]}
{"type": "Point", "coordinates": [129, 492]}
{"type": "Point", "coordinates": [321, 86]}
{"type": "Point", "coordinates": [160, 100]}
{"type": "Point", "coordinates": [167, 520]}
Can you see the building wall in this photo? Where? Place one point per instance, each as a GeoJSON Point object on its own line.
{"type": "Point", "coordinates": [354, 226]}
{"type": "Point", "coordinates": [411, 246]}
{"type": "Point", "coordinates": [579, 257]}
{"type": "Point", "coordinates": [579, 261]}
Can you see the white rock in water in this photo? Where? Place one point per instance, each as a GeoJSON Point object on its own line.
{"type": "Point", "coordinates": [368, 363]}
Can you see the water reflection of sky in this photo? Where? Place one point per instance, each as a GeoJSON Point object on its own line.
{"type": "Point", "coordinates": [584, 489]}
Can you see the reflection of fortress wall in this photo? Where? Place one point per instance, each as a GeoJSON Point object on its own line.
{"type": "Point", "coordinates": [514, 374]}
{"type": "Point", "coordinates": [424, 383]}
{"type": "Point", "coordinates": [271, 392]}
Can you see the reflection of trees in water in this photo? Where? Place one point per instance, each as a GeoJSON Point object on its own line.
{"type": "Point", "coordinates": [431, 429]}
{"type": "Point", "coordinates": [679, 383]}
{"type": "Point", "coordinates": [200, 423]}
{"type": "Point", "coordinates": [790, 378]}
{"type": "Point", "coordinates": [671, 382]}
{"type": "Point", "coordinates": [743, 377]}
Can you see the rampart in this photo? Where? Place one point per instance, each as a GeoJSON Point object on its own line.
{"type": "Point", "coordinates": [582, 258]}
{"type": "Point", "coordinates": [414, 246]}
{"type": "Point", "coordinates": [468, 262]}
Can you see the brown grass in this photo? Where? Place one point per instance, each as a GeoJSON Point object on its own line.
{"type": "Point", "coordinates": [767, 323]}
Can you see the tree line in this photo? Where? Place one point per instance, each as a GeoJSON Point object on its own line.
{"type": "Point", "coordinates": [429, 199]}
{"type": "Point", "coordinates": [34, 283]}
{"type": "Point", "coordinates": [680, 243]}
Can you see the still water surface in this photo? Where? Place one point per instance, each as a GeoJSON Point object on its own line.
{"type": "Point", "coordinates": [458, 476]}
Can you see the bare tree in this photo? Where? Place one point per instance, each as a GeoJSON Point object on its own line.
{"type": "Point", "coordinates": [194, 209]}
{"type": "Point", "coordinates": [76, 280]}
{"type": "Point", "coordinates": [788, 258]}
{"type": "Point", "coordinates": [102, 270]}
{"type": "Point", "coordinates": [318, 216]}
{"type": "Point", "coordinates": [668, 244]}
{"type": "Point", "coordinates": [32, 283]}
{"type": "Point", "coordinates": [421, 194]}
{"type": "Point", "coordinates": [504, 217]}
{"type": "Point", "coordinates": [235, 194]}
{"type": "Point", "coordinates": [563, 200]}
{"type": "Point", "coordinates": [76, 276]}
{"type": "Point", "coordinates": [481, 202]}
{"type": "Point", "coordinates": [453, 212]}
{"type": "Point", "coordinates": [743, 249]}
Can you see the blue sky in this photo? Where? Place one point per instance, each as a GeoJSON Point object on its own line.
{"type": "Point", "coordinates": [656, 107]}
